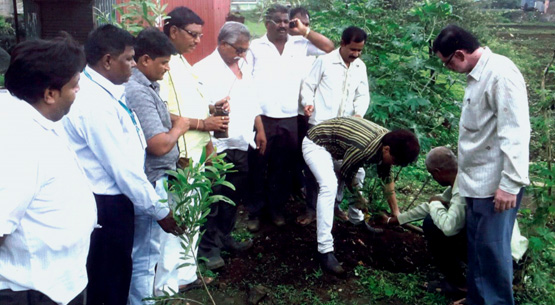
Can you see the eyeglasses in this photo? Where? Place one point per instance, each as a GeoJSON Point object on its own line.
{"type": "Point", "coordinates": [193, 34]}
{"type": "Point", "coordinates": [238, 51]}
{"type": "Point", "coordinates": [448, 61]}
{"type": "Point", "coordinates": [278, 21]}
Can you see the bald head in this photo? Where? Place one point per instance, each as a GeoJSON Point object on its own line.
{"type": "Point", "coordinates": [442, 164]}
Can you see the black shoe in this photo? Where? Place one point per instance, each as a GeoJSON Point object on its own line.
{"type": "Point", "coordinates": [253, 224]}
{"type": "Point", "coordinates": [214, 262]}
{"type": "Point", "coordinates": [329, 263]}
{"type": "Point", "coordinates": [237, 246]}
{"type": "Point", "coordinates": [278, 220]}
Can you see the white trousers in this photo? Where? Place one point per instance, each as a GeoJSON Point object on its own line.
{"type": "Point", "coordinates": [169, 274]}
{"type": "Point", "coordinates": [323, 167]}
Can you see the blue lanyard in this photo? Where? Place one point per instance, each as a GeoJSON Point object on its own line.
{"type": "Point", "coordinates": [129, 112]}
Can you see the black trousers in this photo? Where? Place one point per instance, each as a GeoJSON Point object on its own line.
{"type": "Point", "coordinates": [109, 263]}
{"type": "Point", "coordinates": [32, 297]}
{"type": "Point", "coordinates": [270, 175]}
{"type": "Point", "coordinates": [221, 220]}
{"type": "Point", "coordinates": [449, 252]}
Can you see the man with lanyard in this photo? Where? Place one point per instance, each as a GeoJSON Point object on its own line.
{"type": "Point", "coordinates": [183, 91]}
{"type": "Point", "coordinates": [272, 57]}
{"type": "Point", "coordinates": [223, 75]}
{"type": "Point", "coordinates": [494, 135]}
{"type": "Point", "coordinates": [110, 145]}
{"type": "Point", "coordinates": [337, 86]}
{"type": "Point", "coordinates": [152, 55]}
{"type": "Point", "coordinates": [48, 211]}
{"type": "Point", "coordinates": [356, 141]}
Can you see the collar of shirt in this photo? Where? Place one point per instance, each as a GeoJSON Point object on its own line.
{"type": "Point", "coordinates": [337, 59]}
{"type": "Point", "coordinates": [117, 91]}
{"type": "Point", "coordinates": [140, 78]}
{"type": "Point", "coordinates": [36, 115]}
{"type": "Point", "coordinates": [480, 65]}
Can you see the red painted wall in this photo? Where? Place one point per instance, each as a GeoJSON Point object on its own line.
{"type": "Point", "coordinates": [213, 12]}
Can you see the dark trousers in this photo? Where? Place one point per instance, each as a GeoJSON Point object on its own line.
{"type": "Point", "coordinates": [221, 220]}
{"type": "Point", "coordinates": [490, 267]}
{"type": "Point", "coordinates": [32, 297]}
{"type": "Point", "coordinates": [449, 252]}
{"type": "Point", "coordinates": [109, 264]}
{"type": "Point", "coordinates": [270, 175]}
{"type": "Point", "coordinates": [299, 175]}
{"type": "Point", "coordinates": [310, 182]}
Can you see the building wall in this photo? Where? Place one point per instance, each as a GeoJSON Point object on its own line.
{"type": "Point", "coordinates": [213, 12]}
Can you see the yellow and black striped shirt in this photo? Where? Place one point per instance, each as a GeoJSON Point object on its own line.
{"type": "Point", "coordinates": [354, 140]}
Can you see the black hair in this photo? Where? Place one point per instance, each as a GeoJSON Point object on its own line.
{"type": "Point", "coordinates": [298, 10]}
{"type": "Point", "coordinates": [153, 43]}
{"type": "Point", "coordinates": [37, 65]}
{"type": "Point", "coordinates": [107, 39]}
{"type": "Point", "coordinates": [453, 38]}
{"type": "Point", "coordinates": [403, 146]}
{"type": "Point", "coordinates": [353, 34]}
{"type": "Point", "coordinates": [180, 17]}
{"type": "Point", "coordinates": [276, 8]}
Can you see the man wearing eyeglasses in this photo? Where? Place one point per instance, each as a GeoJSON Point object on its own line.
{"type": "Point", "coordinates": [183, 91]}
{"type": "Point", "coordinates": [494, 135]}
{"type": "Point", "coordinates": [275, 58]}
{"type": "Point", "coordinates": [225, 74]}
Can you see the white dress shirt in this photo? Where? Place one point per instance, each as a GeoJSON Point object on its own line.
{"type": "Point", "coordinates": [219, 82]}
{"type": "Point", "coordinates": [276, 77]}
{"type": "Point", "coordinates": [110, 146]}
{"type": "Point", "coordinates": [494, 130]}
{"type": "Point", "coordinates": [48, 208]}
{"type": "Point", "coordinates": [334, 89]}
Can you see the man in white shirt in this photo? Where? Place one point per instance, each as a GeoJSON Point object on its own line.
{"type": "Point", "coordinates": [110, 144]}
{"type": "Point", "coordinates": [337, 86]}
{"type": "Point", "coordinates": [223, 75]}
{"type": "Point", "coordinates": [48, 209]}
{"type": "Point", "coordinates": [444, 221]}
{"type": "Point", "coordinates": [272, 57]}
{"type": "Point", "coordinates": [494, 135]}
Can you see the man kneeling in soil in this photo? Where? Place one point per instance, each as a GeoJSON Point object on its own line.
{"type": "Point", "coordinates": [356, 141]}
{"type": "Point", "coordinates": [444, 221]}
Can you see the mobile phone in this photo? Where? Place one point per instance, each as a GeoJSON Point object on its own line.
{"type": "Point", "coordinates": [292, 24]}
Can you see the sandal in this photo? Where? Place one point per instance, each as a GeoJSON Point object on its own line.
{"type": "Point", "coordinates": [460, 302]}
{"type": "Point", "coordinates": [196, 284]}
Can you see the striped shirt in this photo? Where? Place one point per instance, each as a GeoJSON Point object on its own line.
{"type": "Point", "coordinates": [354, 140]}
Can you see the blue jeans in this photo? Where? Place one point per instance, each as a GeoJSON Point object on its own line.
{"type": "Point", "coordinates": [490, 265]}
{"type": "Point", "coordinates": [146, 252]}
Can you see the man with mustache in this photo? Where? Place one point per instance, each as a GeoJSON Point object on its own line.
{"type": "Point", "coordinates": [182, 90]}
{"type": "Point", "coordinates": [337, 86]}
{"type": "Point", "coordinates": [272, 57]}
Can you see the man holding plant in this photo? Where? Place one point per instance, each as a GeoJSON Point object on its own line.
{"type": "Point", "coordinates": [152, 55]}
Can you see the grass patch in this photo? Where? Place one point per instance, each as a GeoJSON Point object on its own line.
{"type": "Point", "coordinates": [385, 285]}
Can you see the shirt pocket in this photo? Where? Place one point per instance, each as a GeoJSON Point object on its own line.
{"type": "Point", "coordinates": [470, 115]}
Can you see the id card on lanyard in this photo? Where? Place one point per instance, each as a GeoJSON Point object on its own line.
{"type": "Point", "coordinates": [131, 113]}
